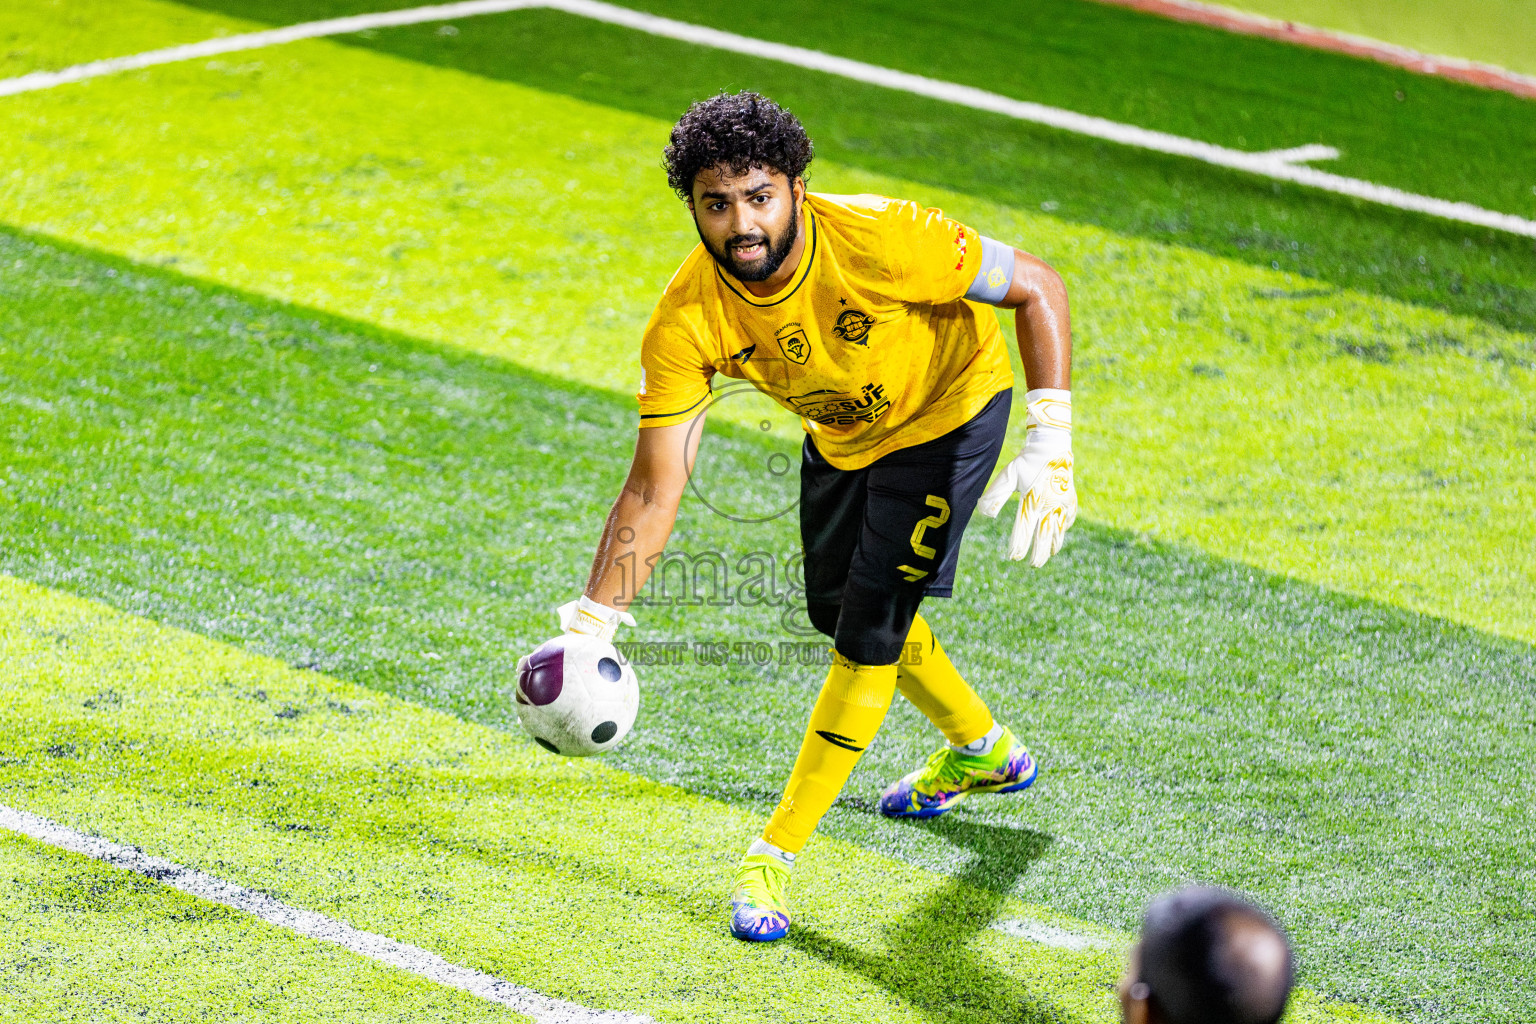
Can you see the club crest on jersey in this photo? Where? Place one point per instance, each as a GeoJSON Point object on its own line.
{"type": "Point", "coordinates": [853, 325]}
{"type": "Point", "coordinates": [792, 340]}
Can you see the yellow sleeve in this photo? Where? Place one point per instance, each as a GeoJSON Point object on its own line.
{"type": "Point", "coordinates": [674, 376]}
{"type": "Point", "coordinates": [931, 258]}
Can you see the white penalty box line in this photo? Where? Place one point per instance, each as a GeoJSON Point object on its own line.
{"type": "Point", "coordinates": [310, 924]}
{"type": "Point", "coordinates": [1280, 165]}
{"type": "Point", "coordinates": [541, 1008]}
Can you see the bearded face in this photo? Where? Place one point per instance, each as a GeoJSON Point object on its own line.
{"type": "Point", "coordinates": [749, 222]}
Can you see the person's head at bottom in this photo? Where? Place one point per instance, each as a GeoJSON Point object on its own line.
{"type": "Point", "coordinates": [1207, 956]}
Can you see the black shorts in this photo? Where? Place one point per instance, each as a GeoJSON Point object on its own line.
{"type": "Point", "coordinates": [878, 540]}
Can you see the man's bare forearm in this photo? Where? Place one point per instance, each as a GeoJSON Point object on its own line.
{"type": "Point", "coordinates": [634, 537]}
{"type": "Point", "coordinates": [641, 519]}
{"type": "Point", "coordinates": [1044, 324]}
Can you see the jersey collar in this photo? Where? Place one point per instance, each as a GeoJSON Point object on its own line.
{"type": "Point", "coordinates": [803, 272]}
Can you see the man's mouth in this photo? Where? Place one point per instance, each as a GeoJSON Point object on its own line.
{"type": "Point", "coordinates": [749, 251]}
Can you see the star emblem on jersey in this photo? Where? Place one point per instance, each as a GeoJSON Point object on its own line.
{"type": "Point", "coordinates": [795, 344]}
{"type": "Point", "coordinates": [853, 326]}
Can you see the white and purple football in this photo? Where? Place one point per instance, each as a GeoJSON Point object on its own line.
{"type": "Point", "coordinates": [577, 695]}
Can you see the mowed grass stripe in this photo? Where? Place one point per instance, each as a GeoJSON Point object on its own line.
{"type": "Point", "coordinates": [84, 942]}
{"type": "Point", "coordinates": [1248, 94]}
{"type": "Point", "coordinates": [1242, 92]}
{"type": "Point", "coordinates": [1362, 444]}
{"type": "Point", "coordinates": [1481, 273]}
{"type": "Point", "coordinates": [576, 878]}
{"type": "Point", "coordinates": [304, 923]}
{"type": "Point", "coordinates": [406, 516]}
{"type": "Point", "coordinates": [49, 35]}
{"type": "Point", "coordinates": [1283, 165]}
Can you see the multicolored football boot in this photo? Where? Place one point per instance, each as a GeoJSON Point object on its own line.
{"type": "Point", "coordinates": [760, 899]}
{"type": "Point", "coordinates": [949, 775]}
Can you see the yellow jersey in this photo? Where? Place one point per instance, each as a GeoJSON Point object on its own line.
{"type": "Point", "coordinates": [871, 342]}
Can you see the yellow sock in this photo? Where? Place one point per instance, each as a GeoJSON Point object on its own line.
{"type": "Point", "coordinates": [844, 721]}
{"type": "Point", "coordinates": [932, 683]}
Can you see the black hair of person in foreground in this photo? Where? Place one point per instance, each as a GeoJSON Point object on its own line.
{"type": "Point", "coordinates": [1207, 956]}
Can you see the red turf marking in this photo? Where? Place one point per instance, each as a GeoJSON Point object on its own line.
{"type": "Point", "coordinates": [1485, 75]}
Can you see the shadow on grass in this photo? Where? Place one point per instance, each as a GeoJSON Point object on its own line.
{"type": "Point", "coordinates": [338, 486]}
{"type": "Point", "coordinates": [930, 962]}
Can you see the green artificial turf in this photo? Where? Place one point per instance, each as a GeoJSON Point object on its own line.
{"type": "Point", "coordinates": [83, 942]}
{"type": "Point", "coordinates": [1363, 444]}
{"type": "Point", "coordinates": [46, 35]}
{"type": "Point", "coordinates": [405, 516]}
{"type": "Point", "coordinates": [1440, 138]}
{"type": "Point", "coordinates": [1499, 32]}
{"type": "Point", "coordinates": [566, 876]}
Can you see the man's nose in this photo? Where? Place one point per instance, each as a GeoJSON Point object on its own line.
{"type": "Point", "coordinates": [742, 221]}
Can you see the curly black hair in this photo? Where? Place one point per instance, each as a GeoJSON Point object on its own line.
{"type": "Point", "coordinates": [740, 130]}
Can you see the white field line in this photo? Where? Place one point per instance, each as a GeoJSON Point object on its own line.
{"type": "Point", "coordinates": [1048, 934]}
{"type": "Point", "coordinates": [1267, 165]}
{"type": "Point", "coordinates": [312, 925]}
{"type": "Point", "coordinates": [1303, 154]}
{"type": "Point", "coordinates": [255, 41]}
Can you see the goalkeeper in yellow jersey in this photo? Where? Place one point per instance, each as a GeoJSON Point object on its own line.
{"type": "Point", "coordinates": [868, 318]}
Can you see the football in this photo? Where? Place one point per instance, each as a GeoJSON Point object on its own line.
{"type": "Point", "coordinates": [577, 695]}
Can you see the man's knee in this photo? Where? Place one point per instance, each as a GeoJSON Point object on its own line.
{"type": "Point", "coordinates": [874, 623]}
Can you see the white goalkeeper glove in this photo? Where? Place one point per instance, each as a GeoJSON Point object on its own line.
{"type": "Point", "coordinates": [1042, 473]}
{"type": "Point", "coordinates": [587, 616]}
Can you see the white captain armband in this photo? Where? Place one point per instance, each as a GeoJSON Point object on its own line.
{"type": "Point", "coordinates": [995, 275]}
